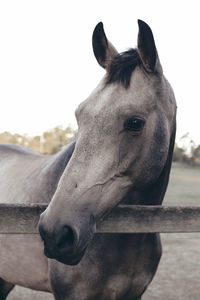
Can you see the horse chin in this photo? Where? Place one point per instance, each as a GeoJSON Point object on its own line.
{"type": "Point", "coordinates": [70, 260]}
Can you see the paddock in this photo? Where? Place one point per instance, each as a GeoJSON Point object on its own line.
{"type": "Point", "coordinates": [174, 220]}
{"type": "Point", "coordinates": [177, 277]}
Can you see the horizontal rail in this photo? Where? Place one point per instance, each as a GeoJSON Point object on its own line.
{"type": "Point", "coordinates": [23, 218]}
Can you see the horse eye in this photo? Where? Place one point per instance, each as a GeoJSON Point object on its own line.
{"type": "Point", "coordinates": [134, 124]}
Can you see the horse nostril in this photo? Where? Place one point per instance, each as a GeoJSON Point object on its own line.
{"type": "Point", "coordinates": [65, 239]}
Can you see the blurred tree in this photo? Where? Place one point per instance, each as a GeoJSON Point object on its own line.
{"type": "Point", "coordinates": [53, 140]}
{"type": "Point", "coordinates": [49, 142]}
{"type": "Point", "coordinates": [196, 155]}
{"type": "Point", "coordinates": [180, 154]}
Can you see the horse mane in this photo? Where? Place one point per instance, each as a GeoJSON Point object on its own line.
{"type": "Point", "coordinates": [122, 67]}
{"type": "Point", "coordinates": [60, 160]}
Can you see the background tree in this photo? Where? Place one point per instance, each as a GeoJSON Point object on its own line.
{"type": "Point", "coordinates": [49, 142]}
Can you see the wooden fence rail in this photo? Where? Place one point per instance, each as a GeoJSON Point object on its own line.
{"type": "Point", "coordinates": [23, 218]}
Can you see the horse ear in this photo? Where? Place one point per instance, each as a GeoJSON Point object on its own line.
{"type": "Point", "coordinates": [147, 49]}
{"type": "Point", "coordinates": [155, 193]}
{"type": "Point", "coordinates": [103, 49]}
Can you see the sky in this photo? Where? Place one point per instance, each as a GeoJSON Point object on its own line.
{"type": "Point", "coordinates": [47, 66]}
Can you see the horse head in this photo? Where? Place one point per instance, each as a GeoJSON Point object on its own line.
{"type": "Point", "coordinates": [126, 131]}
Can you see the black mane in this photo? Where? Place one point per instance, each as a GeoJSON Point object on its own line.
{"type": "Point", "coordinates": [122, 67]}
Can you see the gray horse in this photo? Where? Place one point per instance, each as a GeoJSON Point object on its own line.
{"type": "Point", "coordinates": [122, 154]}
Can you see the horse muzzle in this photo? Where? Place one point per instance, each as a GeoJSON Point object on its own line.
{"type": "Point", "coordinates": [65, 244]}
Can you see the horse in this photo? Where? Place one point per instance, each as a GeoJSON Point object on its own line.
{"type": "Point", "coordinates": [122, 154]}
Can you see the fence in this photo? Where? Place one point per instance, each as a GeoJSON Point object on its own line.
{"type": "Point", "coordinates": [23, 218]}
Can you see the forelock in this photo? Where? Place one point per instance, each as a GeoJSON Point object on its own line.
{"type": "Point", "coordinates": [122, 67]}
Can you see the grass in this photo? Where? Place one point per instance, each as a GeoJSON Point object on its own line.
{"type": "Point", "coordinates": [184, 186]}
{"type": "Point", "coordinates": [178, 276]}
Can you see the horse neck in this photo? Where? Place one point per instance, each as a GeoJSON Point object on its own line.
{"type": "Point", "coordinates": [150, 195]}
{"type": "Point", "coordinates": [134, 197]}
{"type": "Point", "coordinates": [56, 166]}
